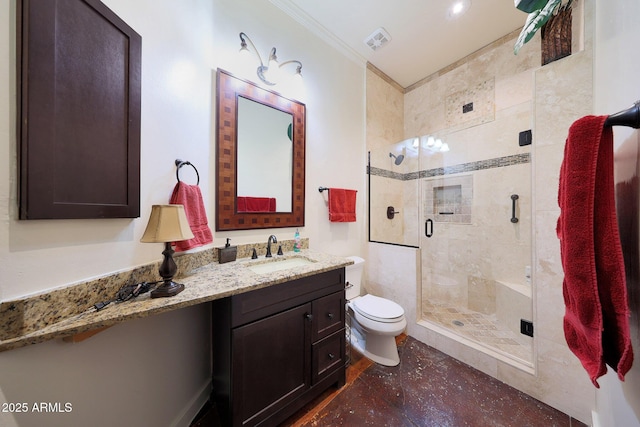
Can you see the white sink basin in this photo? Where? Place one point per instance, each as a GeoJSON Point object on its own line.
{"type": "Point", "coordinates": [278, 264]}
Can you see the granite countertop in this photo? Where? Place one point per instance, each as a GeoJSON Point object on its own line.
{"type": "Point", "coordinates": [203, 284]}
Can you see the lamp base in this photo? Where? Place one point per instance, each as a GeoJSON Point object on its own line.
{"type": "Point", "coordinates": [167, 289]}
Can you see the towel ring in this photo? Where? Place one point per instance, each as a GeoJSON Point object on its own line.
{"type": "Point", "coordinates": [180, 163]}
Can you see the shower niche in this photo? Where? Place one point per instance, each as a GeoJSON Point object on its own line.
{"type": "Point", "coordinates": [449, 199]}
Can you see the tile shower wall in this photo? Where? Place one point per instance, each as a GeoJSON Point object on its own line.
{"type": "Point", "coordinates": [385, 133]}
{"type": "Point", "coordinates": [562, 92]}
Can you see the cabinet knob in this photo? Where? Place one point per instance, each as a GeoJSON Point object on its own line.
{"type": "Point", "coordinates": [330, 315]}
{"type": "Point", "coordinates": [308, 316]}
{"type": "Point", "coordinates": [332, 356]}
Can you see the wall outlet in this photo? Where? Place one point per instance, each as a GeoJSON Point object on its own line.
{"type": "Point", "coordinates": [526, 327]}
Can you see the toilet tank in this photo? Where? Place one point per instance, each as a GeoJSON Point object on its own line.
{"type": "Point", "coordinates": [354, 276]}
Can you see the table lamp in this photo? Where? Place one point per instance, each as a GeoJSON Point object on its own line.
{"type": "Point", "coordinates": [167, 224]}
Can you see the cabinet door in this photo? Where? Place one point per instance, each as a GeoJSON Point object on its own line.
{"type": "Point", "coordinates": [79, 86]}
{"type": "Point", "coordinates": [271, 364]}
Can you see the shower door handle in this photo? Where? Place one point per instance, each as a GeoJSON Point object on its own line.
{"type": "Point", "coordinates": [428, 228]}
{"type": "Point", "coordinates": [514, 218]}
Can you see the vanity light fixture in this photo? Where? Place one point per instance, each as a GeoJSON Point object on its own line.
{"type": "Point", "coordinates": [167, 224]}
{"type": "Point", "coordinates": [269, 73]}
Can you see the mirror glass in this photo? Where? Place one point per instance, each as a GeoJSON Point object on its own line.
{"type": "Point", "coordinates": [260, 157]}
{"type": "Point", "coordinates": [265, 149]}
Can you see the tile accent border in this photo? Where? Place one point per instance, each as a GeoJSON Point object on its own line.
{"type": "Point", "coordinates": [497, 162]}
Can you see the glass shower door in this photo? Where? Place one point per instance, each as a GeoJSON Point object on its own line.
{"type": "Point", "coordinates": [476, 250]}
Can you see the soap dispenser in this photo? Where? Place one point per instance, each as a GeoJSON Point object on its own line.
{"type": "Point", "coordinates": [228, 253]}
{"type": "Point", "coordinates": [296, 241]}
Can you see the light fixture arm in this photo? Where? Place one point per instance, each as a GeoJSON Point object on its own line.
{"type": "Point", "coordinates": [243, 46]}
{"type": "Point", "coordinates": [293, 61]}
{"type": "Point", "coordinates": [264, 68]}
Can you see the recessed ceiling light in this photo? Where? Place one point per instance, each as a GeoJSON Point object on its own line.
{"type": "Point", "coordinates": [458, 8]}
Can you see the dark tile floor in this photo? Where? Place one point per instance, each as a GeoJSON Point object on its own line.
{"type": "Point", "coordinates": [428, 388]}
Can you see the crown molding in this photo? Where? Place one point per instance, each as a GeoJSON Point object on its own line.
{"type": "Point", "coordinates": [304, 19]}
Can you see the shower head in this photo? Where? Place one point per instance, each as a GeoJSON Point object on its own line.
{"type": "Point", "coordinates": [398, 158]}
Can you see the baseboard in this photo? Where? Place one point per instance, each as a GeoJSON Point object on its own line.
{"type": "Point", "coordinates": [193, 407]}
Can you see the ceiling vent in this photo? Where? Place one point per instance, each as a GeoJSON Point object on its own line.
{"type": "Point", "coordinates": [377, 39]}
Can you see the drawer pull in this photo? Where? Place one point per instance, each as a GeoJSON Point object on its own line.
{"type": "Point", "coordinates": [330, 315]}
{"type": "Point", "coordinates": [332, 356]}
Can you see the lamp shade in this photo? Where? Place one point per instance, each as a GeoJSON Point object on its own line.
{"type": "Point", "coordinates": [167, 223]}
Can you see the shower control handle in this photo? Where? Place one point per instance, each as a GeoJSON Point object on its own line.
{"type": "Point", "coordinates": [428, 228]}
{"type": "Point", "coordinates": [391, 212]}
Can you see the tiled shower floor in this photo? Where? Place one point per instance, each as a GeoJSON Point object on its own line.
{"type": "Point", "coordinates": [481, 328]}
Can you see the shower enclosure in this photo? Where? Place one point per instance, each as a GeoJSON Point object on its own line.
{"type": "Point", "coordinates": [468, 210]}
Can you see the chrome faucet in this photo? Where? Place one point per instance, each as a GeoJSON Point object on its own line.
{"type": "Point", "coordinates": [273, 239]}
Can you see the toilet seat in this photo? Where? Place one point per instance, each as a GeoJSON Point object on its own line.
{"type": "Point", "coordinates": [378, 309]}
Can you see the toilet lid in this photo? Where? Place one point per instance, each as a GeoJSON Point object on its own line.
{"type": "Point", "coordinates": [377, 308]}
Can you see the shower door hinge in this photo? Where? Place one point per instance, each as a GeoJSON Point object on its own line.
{"type": "Point", "coordinates": [526, 327]}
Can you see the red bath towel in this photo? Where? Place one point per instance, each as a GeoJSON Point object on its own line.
{"type": "Point", "coordinates": [342, 205]}
{"type": "Point", "coordinates": [190, 197]}
{"type": "Point", "coordinates": [596, 321]}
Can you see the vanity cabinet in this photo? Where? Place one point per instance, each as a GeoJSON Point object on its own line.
{"type": "Point", "coordinates": [277, 348]}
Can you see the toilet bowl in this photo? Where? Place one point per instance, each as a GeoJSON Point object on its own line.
{"type": "Point", "coordinates": [375, 321]}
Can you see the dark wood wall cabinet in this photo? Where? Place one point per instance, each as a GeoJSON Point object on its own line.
{"type": "Point", "coordinates": [277, 348]}
{"type": "Point", "coordinates": [78, 81]}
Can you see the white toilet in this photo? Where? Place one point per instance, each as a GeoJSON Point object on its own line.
{"type": "Point", "coordinates": [375, 321]}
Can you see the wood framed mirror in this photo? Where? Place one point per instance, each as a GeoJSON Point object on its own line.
{"type": "Point", "coordinates": [260, 157]}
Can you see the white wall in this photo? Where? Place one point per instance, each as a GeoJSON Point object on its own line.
{"type": "Point", "coordinates": [182, 45]}
{"type": "Point", "coordinates": [616, 76]}
{"type": "Point", "coordinates": [334, 97]}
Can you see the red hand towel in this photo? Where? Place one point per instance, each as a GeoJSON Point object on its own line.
{"type": "Point", "coordinates": [190, 197]}
{"type": "Point", "coordinates": [342, 205]}
{"type": "Point", "coordinates": [256, 204]}
{"type": "Point", "coordinates": [596, 321]}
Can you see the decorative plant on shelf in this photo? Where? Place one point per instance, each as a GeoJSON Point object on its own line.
{"type": "Point", "coordinates": [539, 13]}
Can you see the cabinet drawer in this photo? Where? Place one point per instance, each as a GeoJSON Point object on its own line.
{"type": "Point", "coordinates": [328, 355]}
{"type": "Point", "coordinates": [328, 315]}
{"type": "Point", "coordinates": [260, 303]}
